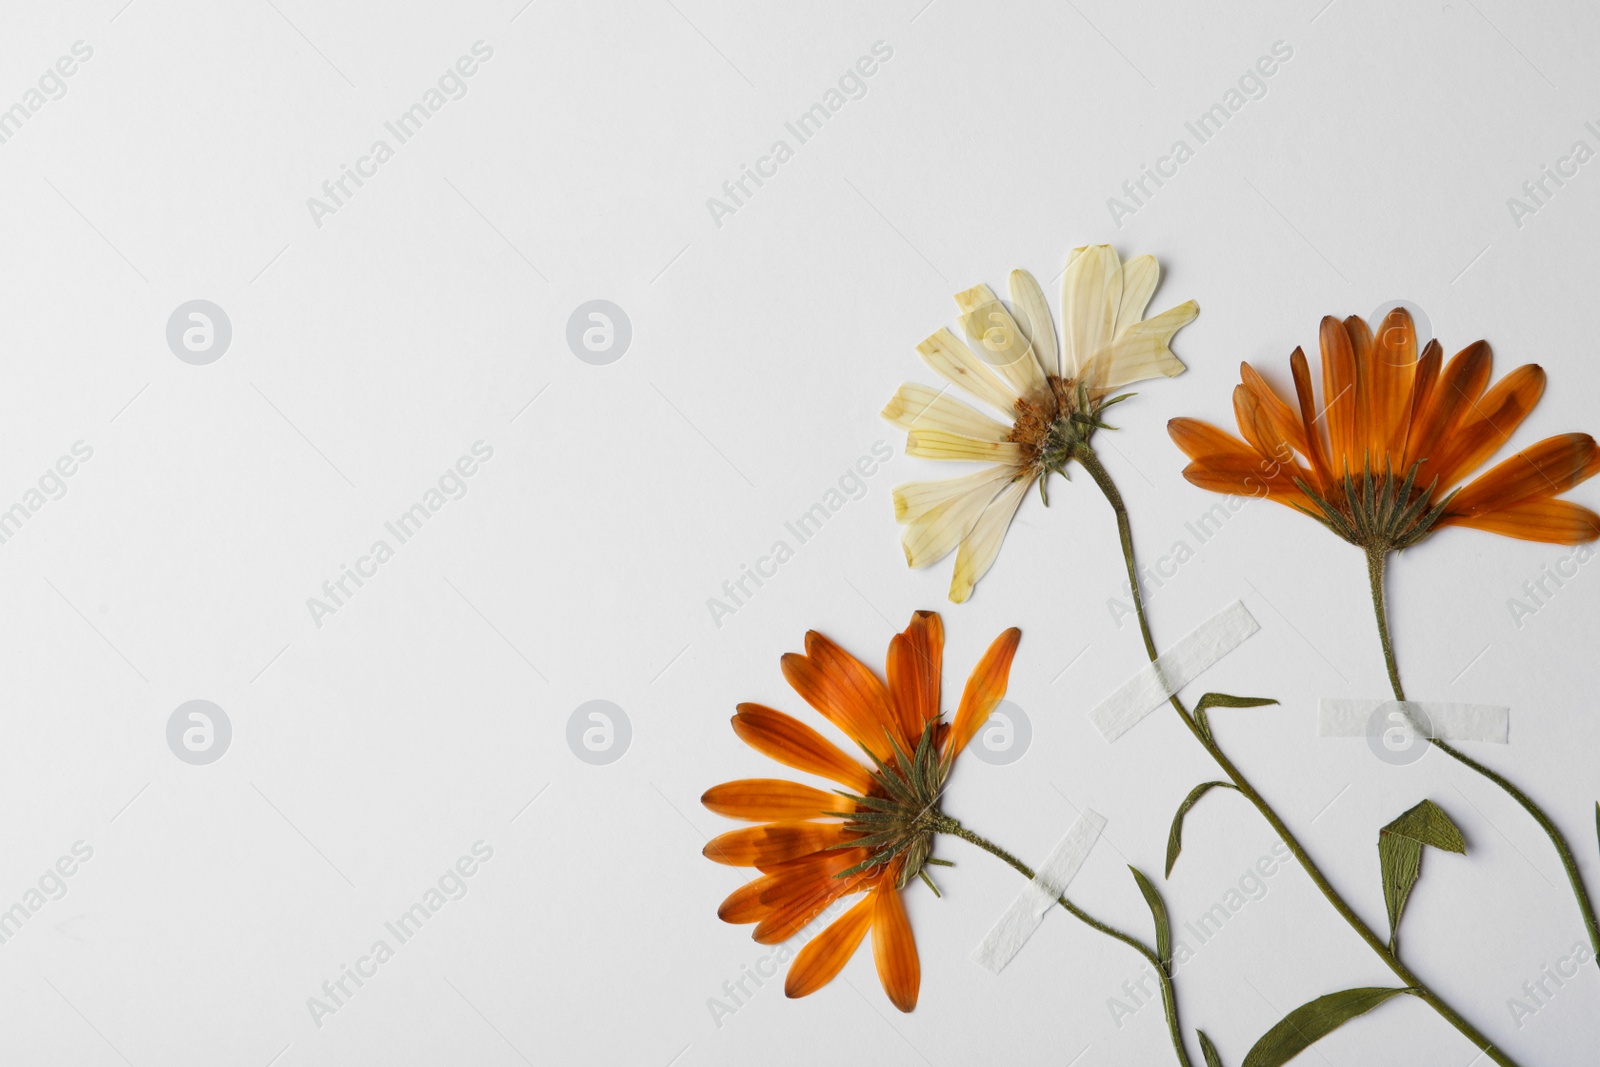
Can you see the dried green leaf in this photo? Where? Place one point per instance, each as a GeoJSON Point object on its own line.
{"type": "Point", "coordinates": [1175, 835]}
{"type": "Point", "coordinates": [1158, 909]}
{"type": "Point", "coordinates": [1223, 700]}
{"type": "Point", "coordinates": [1312, 1021]}
{"type": "Point", "coordinates": [1400, 854]}
{"type": "Point", "coordinates": [1209, 1050]}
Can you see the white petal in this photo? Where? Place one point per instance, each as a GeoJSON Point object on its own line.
{"type": "Point", "coordinates": [931, 536]}
{"type": "Point", "coordinates": [956, 364]}
{"type": "Point", "coordinates": [1140, 275]}
{"type": "Point", "coordinates": [1142, 351]}
{"type": "Point", "coordinates": [936, 444]}
{"type": "Point", "coordinates": [999, 340]}
{"type": "Point", "coordinates": [922, 407]}
{"type": "Point", "coordinates": [1091, 292]}
{"type": "Point", "coordinates": [980, 547]}
{"type": "Point", "coordinates": [913, 500]}
{"type": "Point", "coordinates": [1034, 316]}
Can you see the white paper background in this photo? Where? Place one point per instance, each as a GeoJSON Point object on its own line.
{"type": "Point", "coordinates": [372, 351]}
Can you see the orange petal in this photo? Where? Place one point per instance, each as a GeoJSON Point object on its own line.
{"type": "Point", "coordinates": [1422, 386]}
{"type": "Point", "coordinates": [1259, 428]}
{"type": "Point", "coordinates": [801, 904]}
{"type": "Point", "coordinates": [1308, 417]}
{"type": "Point", "coordinates": [986, 687]}
{"type": "Point", "coordinates": [1556, 522]}
{"type": "Point", "coordinates": [1491, 424]}
{"type": "Point", "coordinates": [825, 956]}
{"type": "Point", "coordinates": [916, 661]}
{"type": "Point", "coordinates": [744, 905]}
{"type": "Point", "coordinates": [1249, 476]}
{"type": "Point", "coordinates": [1460, 384]}
{"type": "Point", "coordinates": [1281, 415]}
{"type": "Point", "coordinates": [794, 744]}
{"type": "Point", "coordinates": [1387, 375]}
{"type": "Point", "coordinates": [845, 692]}
{"type": "Point", "coordinates": [775, 842]}
{"type": "Point", "coordinates": [1551, 466]}
{"type": "Point", "coordinates": [770, 799]}
{"type": "Point", "coordinates": [894, 949]}
{"type": "Point", "coordinates": [1339, 396]}
{"type": "Point", "coordinates": [1201, 440]}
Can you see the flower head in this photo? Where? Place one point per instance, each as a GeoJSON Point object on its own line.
{"type": "Point", "coordinates": [1052, 395]}
{"type": "Point", "coordinates": [1397, 433]}
{"type": "Point", "coordinates": [873, 836]}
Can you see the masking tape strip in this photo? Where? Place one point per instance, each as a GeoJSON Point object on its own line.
{"type": "Point", "coordinates": [1025, 914]}
{"type": "Point", "coordinates": [1344, 717]}
{"type": "Point", "coordinates": [1173, 669]}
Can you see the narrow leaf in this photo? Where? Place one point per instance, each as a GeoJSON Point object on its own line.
{"type": "Point", "coordinates": [1223, 700]}
{"type": "Point", "coordinates": [1175, 835]}
{"type": "Point", "coordinates": [1400, 854]}
{"type": "Point", "coordinates": [1158, 909]}
{"type": "Point", "coordinates": [1313, 1021]}
{"type": "Point", "coordinates": [1209, 1050]}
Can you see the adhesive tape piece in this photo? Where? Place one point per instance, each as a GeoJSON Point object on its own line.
{"type": "Point", "coordinates": [1023, 917]}
{"type": "Point", "coordinates": [1173, 669]}
{"type": "Point", "coordinates": [1346, 717]}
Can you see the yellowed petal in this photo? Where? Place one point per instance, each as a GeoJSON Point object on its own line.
{"type": "Point", "coordinates": [980, 547]}
{"type": "Point", "coordinates": [1033, 314]}
{"type": "Point", "coordinates": [999, 341]}
{"type": "Point", "coordinates": [1091, 292]}
{"type": "Point", "coordinates": [937, 444]}
{"type": "Point", "coordinates": [1140, 275]}
{"type": "Point", "coordinates": [913, 500]}
{"type": "Point", "coordinates": [922, 407]}
{"type": "Point", "coordinates": [931, 536]}
{"type": "Point", "coordinates": [956, 364]}
{"type": "Point", "coordinates": [1142, 352]}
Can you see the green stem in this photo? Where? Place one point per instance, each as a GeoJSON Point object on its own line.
{"type": "Point", "coordinates": [1169, 995]}
{"type": "Point", "coordinates": [1102, 478]}
{"type": "Point", "coordinates": [1376, 559]}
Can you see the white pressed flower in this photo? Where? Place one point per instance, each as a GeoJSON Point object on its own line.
{"type": "Point", "coordinates": [1049, 390]}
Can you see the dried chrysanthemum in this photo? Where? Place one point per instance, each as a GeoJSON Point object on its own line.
{"type": "Point", "coordinates": [1053, 395]}
{"type": "Point", "coordinates": [1379, 462]}
{"type": "Point", "coordinates": [875, 835]}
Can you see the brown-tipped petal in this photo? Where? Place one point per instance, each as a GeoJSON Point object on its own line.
{"type": "Point", "coordinates": [803, 902]}
{"type": "Point", "coordinates": [894, 949]}
{"type": "Point", "coordinates": [1493, 420]}
{"type": "Point", "coordinates": [1360, 335]}
{"type": "Point", "coordinates": [826, 954]}
{"type": "Point", "coordinates": [771, 799]}
{"type": "Point", "coordinates": [1282, 416]}
{"type": "Point", "coordinates": [1422, 386]}
{"type": "Point", "coordinates": [1552, 466]}
{"type": "Point", "coordinates": [1556, 522]}
{"type": "Point", "coordinates": [1340, 391]}
{"type": "Point", "coordinates": [794, 744]}
{"type": "Point", "coordinates": [845, 692]}
{"type": "Point", "coordinates": [1387, 376]}
{"type": "Point", "coordinates": [1460, 384]}
{"type": "Point", "coordinates": [916, 661]}
{"type": "Point", "coordinates": [744, 905]}
{"type": "Point", "coordinates": [986, 687]}
{"type": "Point", "coordinates": [774, 843]}
{"type": "Point", "coordinates": [1315, 438]}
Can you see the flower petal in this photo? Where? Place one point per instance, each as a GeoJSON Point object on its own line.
{"type": "Point", "coordinates": [775, 842]}
{"type": "Point", "coordinates": [825, 955]}
{"type": "Point", "coordinates": [932, 535]}
{"type": "Point", "coordinates": [913, 500]}
{"type": "Point", "coordinates": [1033, 315]}
{"type": "Point", "coordinates": [980, 547]}
{"type": "Point", "coordinates": [1091, 292]}
{"type": "Point", "coordinates": [894, 949]}
{"type": "Point", "coordinates": [1199, 440]}
{"type": "Point", "coordinates": [1552, 466]}
{"type": "Point", "coordinates": [1493, 420]}
{"type": "Point", "coordinates": [956, 364]}
{"type": "Point", "coordinates": [922, 407]}
{"type": "Point", "coordinates": [769, 799]}
{"type": "Point", "coordinates": [803, 900]}
{"type": "Point", "coordinates": [916, 662]}
{"type": "Point", "coordinates": [845, 692]}
{"type": "Point", "coordinates": [1284, 418]}
{"type": "Point", "coordinates": [1460, 384]}
{"type": "Point", "coordinates": [1388, 372]}
{"type": "Point", "coordinates": [1139, 278]}
{"type": "Point", "coordinates": [1315, 439]}
{"type": "Point", "coordinates": [1339, 396]}
{"type": "Point", "coordinates": [999, 341]}
{"type": "Point", "coordinates": [985, 688]}
{"type": "Point", "coordinates": [794, 744]}
{"type": "Point", "coordinates": [1142, 351]}
{"type": "Point", "coordinates": [1556, 522]}
{"type": "Point", "coordinates": [938, 444]}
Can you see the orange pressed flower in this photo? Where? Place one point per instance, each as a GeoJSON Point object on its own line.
{"type": "Point", "coordinates": [874, 835]}
{"type": "Point", "coordinates": [1380, 463]}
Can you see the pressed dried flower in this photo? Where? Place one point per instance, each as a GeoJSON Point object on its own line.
{"type": "Point", "coordinates": [873, 836]}
{"type": "Point", "coordinates": [1052, 393]}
